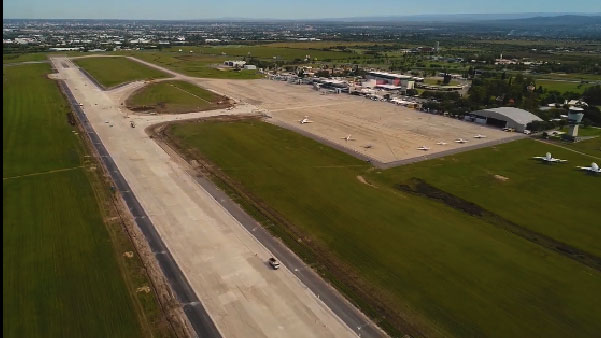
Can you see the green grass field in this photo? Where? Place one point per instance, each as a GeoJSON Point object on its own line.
{"type": "Point", "coordinates": [23, 57]}
{"type": "Point", "coordinates": [582, 131]}
{"type": "Point", "coordinates": [590, 147]}
{"type": "Point", "coordinates": [401, 255]}
{"type": "Point", "coordinates": [61, 277]}
{"type": "Point", "coordinates": [563, 86]}
{"type": "Point", "coordinates": [288, 54]}
{"type": "Point", "coordinates": [566, 76]}
{"type": "Point", "coordinates": [176, 97]}
{"type": "Point", "coordinates": [112, 71]}
{"type": "Point", "coordinates": [193, 64]}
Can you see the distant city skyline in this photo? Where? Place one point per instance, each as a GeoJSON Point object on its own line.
{"type": "Point", "coordinates": [273, 9]}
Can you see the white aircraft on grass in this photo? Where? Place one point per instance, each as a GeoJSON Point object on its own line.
{"type": "Point", "coordinates": [460, 140]}
{"type": "Point", "coordinates": [594, 168]}
{"type": "Point", "coordinates": [348, 138]}
{"type": "Point", "coordinates": [441, 143]}
{"type": "Point", "coordinates": [479, 136]}
{"type": "Point", "coordinates": [548, 158]}
{"type": "Point", "coordinates": [423, 148]}
{"type": "Point", "coordinates": [305, 120]}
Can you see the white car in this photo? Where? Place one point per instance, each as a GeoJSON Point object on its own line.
{"type": "Point", "coordinates": [274, 263]}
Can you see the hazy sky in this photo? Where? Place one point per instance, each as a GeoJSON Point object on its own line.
{"type": "Point", "coordinates": [281, 9]}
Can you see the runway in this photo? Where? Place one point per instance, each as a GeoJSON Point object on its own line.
{"type": "Point", "coordinates": [222, 262]}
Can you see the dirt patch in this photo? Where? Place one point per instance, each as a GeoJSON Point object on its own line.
{"type": "Point", "coordinates": [421, 187]}
{"type": "Point", "coordinates": [364, 181]}
{"type": "Point", "coordinates": [145, 289]}
{"type": "Point", "coordinates": [501, 178]}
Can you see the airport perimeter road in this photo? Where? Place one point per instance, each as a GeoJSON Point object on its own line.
{"type": "Point", "coordinates": [223, 263]}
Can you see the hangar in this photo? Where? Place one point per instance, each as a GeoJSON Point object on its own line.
{"type": "Point", "coordinates": [506, 117]}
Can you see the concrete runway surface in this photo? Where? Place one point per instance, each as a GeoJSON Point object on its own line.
{"type": "Point", "coordinates": [224, 264]}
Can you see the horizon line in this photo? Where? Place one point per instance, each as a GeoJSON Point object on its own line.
{"type": "Point", "coordinates": [539, 14]}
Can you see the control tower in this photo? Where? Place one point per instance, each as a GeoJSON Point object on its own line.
{"type": "Point", "coordinates": [574, 118]}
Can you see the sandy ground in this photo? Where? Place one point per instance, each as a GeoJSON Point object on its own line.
{"type": "Point", "coordinates": [224, 264]}
{"type": "Point", "coordinates": [393, 132]}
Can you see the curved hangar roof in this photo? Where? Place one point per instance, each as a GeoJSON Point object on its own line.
{"type": "Point", "coordinates": [519, 116]}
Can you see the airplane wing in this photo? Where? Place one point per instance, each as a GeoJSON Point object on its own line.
{"type": "Point", "coordinates": [558, 160]}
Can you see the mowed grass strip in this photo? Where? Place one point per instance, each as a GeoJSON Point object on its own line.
{"type": "Point", "coordinates": [563, 86]}
{"type": "Point", "coordinates": [176, 97]}
{"type": "Point", "coordinates": [60, 273]}
{"type": "Point", "coordinates": [35, 134]}
{"type": "Point", "coordinates": [446, 273]}
{"type": "Point", "coordinates": [112, 71]}
{"type": "Point", "coordinates": [23, 57]}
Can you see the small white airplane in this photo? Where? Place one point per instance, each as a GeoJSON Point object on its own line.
{"type": "Point", "coordinates": [348, 138]}
{"type": "Point", "coordinates": [594, 168]}
{"type": "Point", "coordinates": [305, 120]}
{"type": "Point", "coordinates": [479, 136]}
{"type": "Point", "coordinates": [549, 158]}
{"type": "Point", "coordinates": [441, 143]}
{"type": "Point", "coordinates": [423, 148]}
{"type": "Point", "coordinates": [460, 140]}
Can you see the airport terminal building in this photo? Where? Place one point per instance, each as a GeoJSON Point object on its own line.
{"type": "Point", "coordinates": [505, 117]}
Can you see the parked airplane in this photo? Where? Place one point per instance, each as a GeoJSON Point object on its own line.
{"type": "Point", "coordinates": [305, 120]}
{"type": "Point", "coordinates": [348, 138]}
{"type": "Point", "coordinates": [594, 168]}
{"type": "Point", "coordinates": [441, 143]}
{"type": "Point", "coordinates": [549, 158]}
{"type": "Point", "coordinates": [423, 148]}
{"type": "Point", "coordinates": [479, 136]}
{"type": "Point", "coordinates": [460, 140]}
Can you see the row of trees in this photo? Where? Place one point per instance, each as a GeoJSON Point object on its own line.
{"type": "Point", "coordinates": [517, 91]}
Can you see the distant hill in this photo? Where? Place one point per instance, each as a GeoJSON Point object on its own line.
{"type": "Point", "coordinates": [456, 18]}
{"type": "Point", "coordinates": [557, 20]}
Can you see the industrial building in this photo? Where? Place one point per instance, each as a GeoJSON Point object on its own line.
{"type": "Point", "coordinates": [505, 117]}
{"type": "Point", "coordinates": [235, 63]}
{"type": "Point", "coordinates": [389, 79]}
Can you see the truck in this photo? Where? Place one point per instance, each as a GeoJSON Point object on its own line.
{"type": "Point", "coordinates": [274, 263]}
